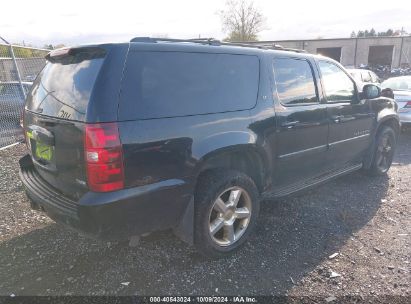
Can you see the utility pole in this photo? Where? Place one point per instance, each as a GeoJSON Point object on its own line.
{"type": "Point", "coordinates": [355, 52]}
{"type": "Point", "coordinates": [402, 44]}
{"type": "Point", "coordinates": [402, 31]}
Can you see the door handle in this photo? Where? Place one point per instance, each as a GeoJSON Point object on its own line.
{"type": "Point", "coordinates": [341, 118]}
{"type": "Point", "coordinates": [337, 118]}
{"type": "Point", "coordinates": [290, 124]}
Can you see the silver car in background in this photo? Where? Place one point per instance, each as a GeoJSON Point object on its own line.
{"type": "Point", "coordinates": [401, 86]}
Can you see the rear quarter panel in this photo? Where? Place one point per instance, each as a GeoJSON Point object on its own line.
{"type": "Point", "coordinates": [169, 148]}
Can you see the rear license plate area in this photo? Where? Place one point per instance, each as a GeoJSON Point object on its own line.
{"type": "Point", "coordinates": [41, 152]}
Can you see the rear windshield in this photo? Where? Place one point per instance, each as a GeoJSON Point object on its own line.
{"type": "Point", "coordinates": [168, 84]}
{"type": "Point", "coordinates": [64, 86]}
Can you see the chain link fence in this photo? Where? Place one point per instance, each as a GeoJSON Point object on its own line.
{"type": "Point", "coordinates": [19, 67]}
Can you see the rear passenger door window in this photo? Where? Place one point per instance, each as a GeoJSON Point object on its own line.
{"type": "Point", "coordinates": [338, 87]}
{"type": "Point", "coordinates": [294, 81]}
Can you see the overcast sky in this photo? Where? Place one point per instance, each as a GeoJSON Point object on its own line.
{"type": "Point", "coordinates": [74, 22]}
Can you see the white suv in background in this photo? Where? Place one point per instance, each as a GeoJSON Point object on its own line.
{"type": "Point", "coordinates": [363, 77]}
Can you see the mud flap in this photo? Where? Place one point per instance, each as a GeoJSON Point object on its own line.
{"type": "Point", "coordinates": [185, 229]}
{"type": "Point", "coordinates": [369, 156]}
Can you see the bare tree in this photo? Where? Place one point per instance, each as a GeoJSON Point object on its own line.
{"type": "Point", "coordinates": [242, 20]}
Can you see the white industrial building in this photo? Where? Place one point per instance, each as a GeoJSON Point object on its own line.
{"type": "Point", "coordinates": [393, 51]}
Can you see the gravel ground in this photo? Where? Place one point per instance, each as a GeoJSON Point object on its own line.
{"type": "Point", "coordinates": [364, 222]}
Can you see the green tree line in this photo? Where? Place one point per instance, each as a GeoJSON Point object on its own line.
{"type": "Point", "coordinates": [21, 52]}
{"type": "Point", "coordinates": [373, 33]}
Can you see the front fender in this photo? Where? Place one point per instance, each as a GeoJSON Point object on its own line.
{"type": "Point", "coordinates": [385, 108]}
{"type": "Point", "coordinates": [385, 115]}
{"type": "Point", "coordinates": [388, 114]}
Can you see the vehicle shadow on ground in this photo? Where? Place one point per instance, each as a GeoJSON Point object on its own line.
{"type": "Point", "coordinates": [293, 236]}
{"type": "Point", "coordinates": [403, 154]}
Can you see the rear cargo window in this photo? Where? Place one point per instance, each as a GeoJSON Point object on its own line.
{"type": "Point", "coordinates": [64, 86]}
{"type": "Point", "coordinates": [167, 84]}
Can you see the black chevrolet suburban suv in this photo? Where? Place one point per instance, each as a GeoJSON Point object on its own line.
{"type": "Point", "coordinates": [125, 139]}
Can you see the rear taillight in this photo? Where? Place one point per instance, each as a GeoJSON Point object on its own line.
{"type": "Point", "coordinates": [104, 157]}
{"type": "Point", "coordinates": [408, 104]}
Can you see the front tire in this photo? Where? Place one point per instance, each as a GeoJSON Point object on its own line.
{"type": "Point", "coordinates": [226, 211]}
{"type": "Point", "coordinates": [384, 149]}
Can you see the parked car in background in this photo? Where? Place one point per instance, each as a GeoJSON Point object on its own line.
{"type": "Point", "coordinates": [401, 87]}
{"type": "Point", "coordinates": [12, 98]}
{"type": "Point", "coordinates": [402, 71]}
{"type": "Point", "coordinates": [129, 138]}
{"type": "Point", "coordinates": [363, 77]}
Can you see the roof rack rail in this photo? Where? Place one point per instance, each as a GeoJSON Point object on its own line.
{"type": "Point", "coordinates": [282, 48]}
{"type": "Point", "coordinates": [215, 42]}
{"type": "Point", "coordinates": [210, 41]}
{"type": "Point", "coordinates": [265, 46]}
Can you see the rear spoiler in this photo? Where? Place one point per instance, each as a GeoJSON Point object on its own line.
{"type": "Point", "coordinates": [75, 55]}
{"type": "Point", "coordinates": [58, 53]}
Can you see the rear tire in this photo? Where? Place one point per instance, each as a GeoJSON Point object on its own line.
{"type": "Point", "coordinates": [226, 210]}
{"type": "Point", "coordinates": [383, 154]}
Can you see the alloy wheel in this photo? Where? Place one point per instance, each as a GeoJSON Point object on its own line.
{"type": "Point", "coordinates": [385, 153]}
{"type": "Point", "coordinates": [230, 216]}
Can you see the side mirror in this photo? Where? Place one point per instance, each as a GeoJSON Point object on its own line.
{"type": "Point", "coordinates": [371, 91]}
